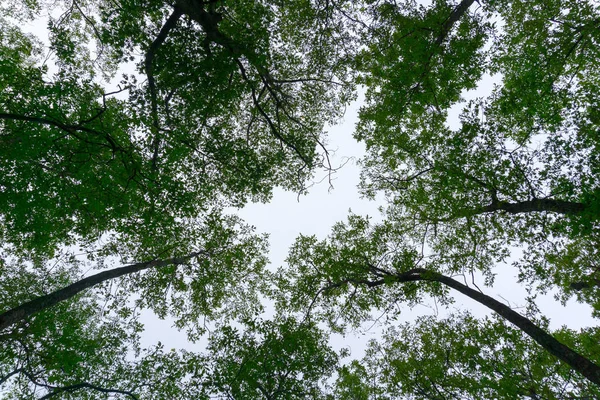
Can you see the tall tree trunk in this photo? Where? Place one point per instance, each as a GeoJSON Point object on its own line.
{"type": "Point", "coordinates": [539, 205]}
{"type": "Point", "coordinates": [452, 19]}
{"type": "Point", "coordinates": [578, 362]}
{"type": "Point", "coordinates": [40, 303]}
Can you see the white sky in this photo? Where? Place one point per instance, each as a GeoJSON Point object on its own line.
{"type": "Point", "coordinates": [287, 216]}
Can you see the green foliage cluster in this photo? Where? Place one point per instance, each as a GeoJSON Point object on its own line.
{"type": "Point", "coordinates": [520, 167]}
{"type": "Point", "coordinates": [131, 127]}
{"type": "Point", "coordinates": [462, 357]}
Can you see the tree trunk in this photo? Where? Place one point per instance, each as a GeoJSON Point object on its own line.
{"type": "Point", "coordinates": [536, 205]}
{"type": "Point", "coordinates": [578, 362]}
{"type": "Point", "coordinates": [40, 303]}
{"type": "Point", "coordinates": [452, 19]}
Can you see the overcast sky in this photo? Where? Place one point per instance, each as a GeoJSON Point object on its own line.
{"type": "Point", "coordinates": [288, 215]}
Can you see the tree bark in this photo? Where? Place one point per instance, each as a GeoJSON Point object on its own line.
{"type": "Point", "coordinates": [40, 303]}
{"type": "Point", "coordinates": [150, 54]}
{"type": "Point", "coordinates": [452, 19]}
{"type": "Point", "coordinates": [578, 362]}
{"type": "Point", "coordinates": [536, 205]}
{"type": "Point", "coordinates": [591, 281]}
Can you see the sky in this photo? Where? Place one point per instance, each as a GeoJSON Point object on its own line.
{"type": "Point", "coordinates": [288, 215]}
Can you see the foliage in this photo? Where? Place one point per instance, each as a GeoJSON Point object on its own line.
{"type": "Point", "coordinates": [126, 133]}
{"type": "Point", "coordinates": [347, 277]}
{"type": "Point", "coordinates": [518, 169]}
{"type": "Point", "coordinates": [520, 166]}
{"type": "Point", "coordinates": [75, 342]}
{"type": "Point", "coordinates": [281, 359]}
{"type": "Point", "coordinates": [463, 357]}
{"type": "Point", "coordinates": [225, 112]}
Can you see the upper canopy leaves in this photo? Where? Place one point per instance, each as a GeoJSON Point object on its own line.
{"type": "Point", "coordinates": [228, 100]}
{"type": "Point", "coordinates": [463, 357]}
{"type": "Point", "coordinates": [521, 166]}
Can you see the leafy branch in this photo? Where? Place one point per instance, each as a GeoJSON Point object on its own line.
{"type": "Point", "coordinates": [25, 310]}
{"type": "Point", "coordinates": [578, 362]}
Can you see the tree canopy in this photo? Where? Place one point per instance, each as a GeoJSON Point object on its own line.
{"type": "Point", "coordinates": [130, 130]}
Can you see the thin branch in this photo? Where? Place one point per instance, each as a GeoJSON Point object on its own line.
{"type": "Point", "coordinates": [86, 385]}
{"type": "Point", "coordinates": [71, 129]}
{"type": "Point", "coordinates": [10, 374]}
{"type": "Point", "coordinates": [303, 80]}
{"type": "Point", "coordinates": [70, 388]}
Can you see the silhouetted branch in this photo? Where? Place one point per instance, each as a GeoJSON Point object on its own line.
{"type": "Point", "coordinates": [40, 303]}
{"type": "Point", "coordinates": [150, 54]}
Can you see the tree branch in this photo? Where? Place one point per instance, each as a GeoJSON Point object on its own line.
{"type": "Point", "coordinates": [84, 385]}
{"type": "Point", "coordinates": [209, 20]}
{"type": "Point", "coordinates": [535, 205]}
{"type": "Point", "coordinates": [150, 53]}
{"type": "Point", "coordinates": [40, 303]}
{"type": "Point", "coordinates": [520, 207]}
{"type": "Point", "coordinates": [578, 362]}
{"type": "Point", "coordinates": [70, 388]}
{"type": "Point", "coordinates": [453, 18]}
{"type": "Point", "coordinates": [69, 128]}
{"type": "Point", "coordinates": [10, 374]}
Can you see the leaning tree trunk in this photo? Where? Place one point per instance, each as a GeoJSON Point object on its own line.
{"type": "Point", "coordinates": [40, 303]}
{"type": "Point", "coordinates": [578, 362]}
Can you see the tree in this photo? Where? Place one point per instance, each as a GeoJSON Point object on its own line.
{"type": "Point", "coordinates": [73, 343]}
{"type": "Point", "coordinates": [218, 103]}
{"type": "Point", "coordinates": [361, 268]}
{"type": "Point", "coordinates": [227, 100]}
{"type": "Point", "coordinates": [279, 359]}
{"type": "Point", "coordinates": [81, 356]}
{"type": "Point", "coordinates": [85, 348]}
{"type": "Point", "coordinates": [144, 170]}
{"type": "Point", "coordinates": [221, 117]}
{"type": "Point", "coordinates": [519, 169]}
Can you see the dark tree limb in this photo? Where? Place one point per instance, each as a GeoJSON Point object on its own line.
{"type": "Point", "coordinates": [56, 390]}
{"type": "Point", "coordinates": [520, 207]}
{"type": "Point", "coordinates": [69, 128]}
{"type": "Point", "coordinates": [150, 54]}
{"type": "Point", "coordinates": [589, 283]}
{"type": "Point", "coordinates": [9, 375]}
{"type": "Point", "coordinates": [452, 19]}
{"type": "Point", "coordinates": [85, 385]}
{"type": "Point", "coordinates": [40, 303]}
{"type": "Point", "coordinates": [204, 13]}
{"type": "Point", "coordinates": [575, 360]}
{"type": "Point", "coordinates": [535, 205]}
{"type": "Point", "coordinates": [578, 362]}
